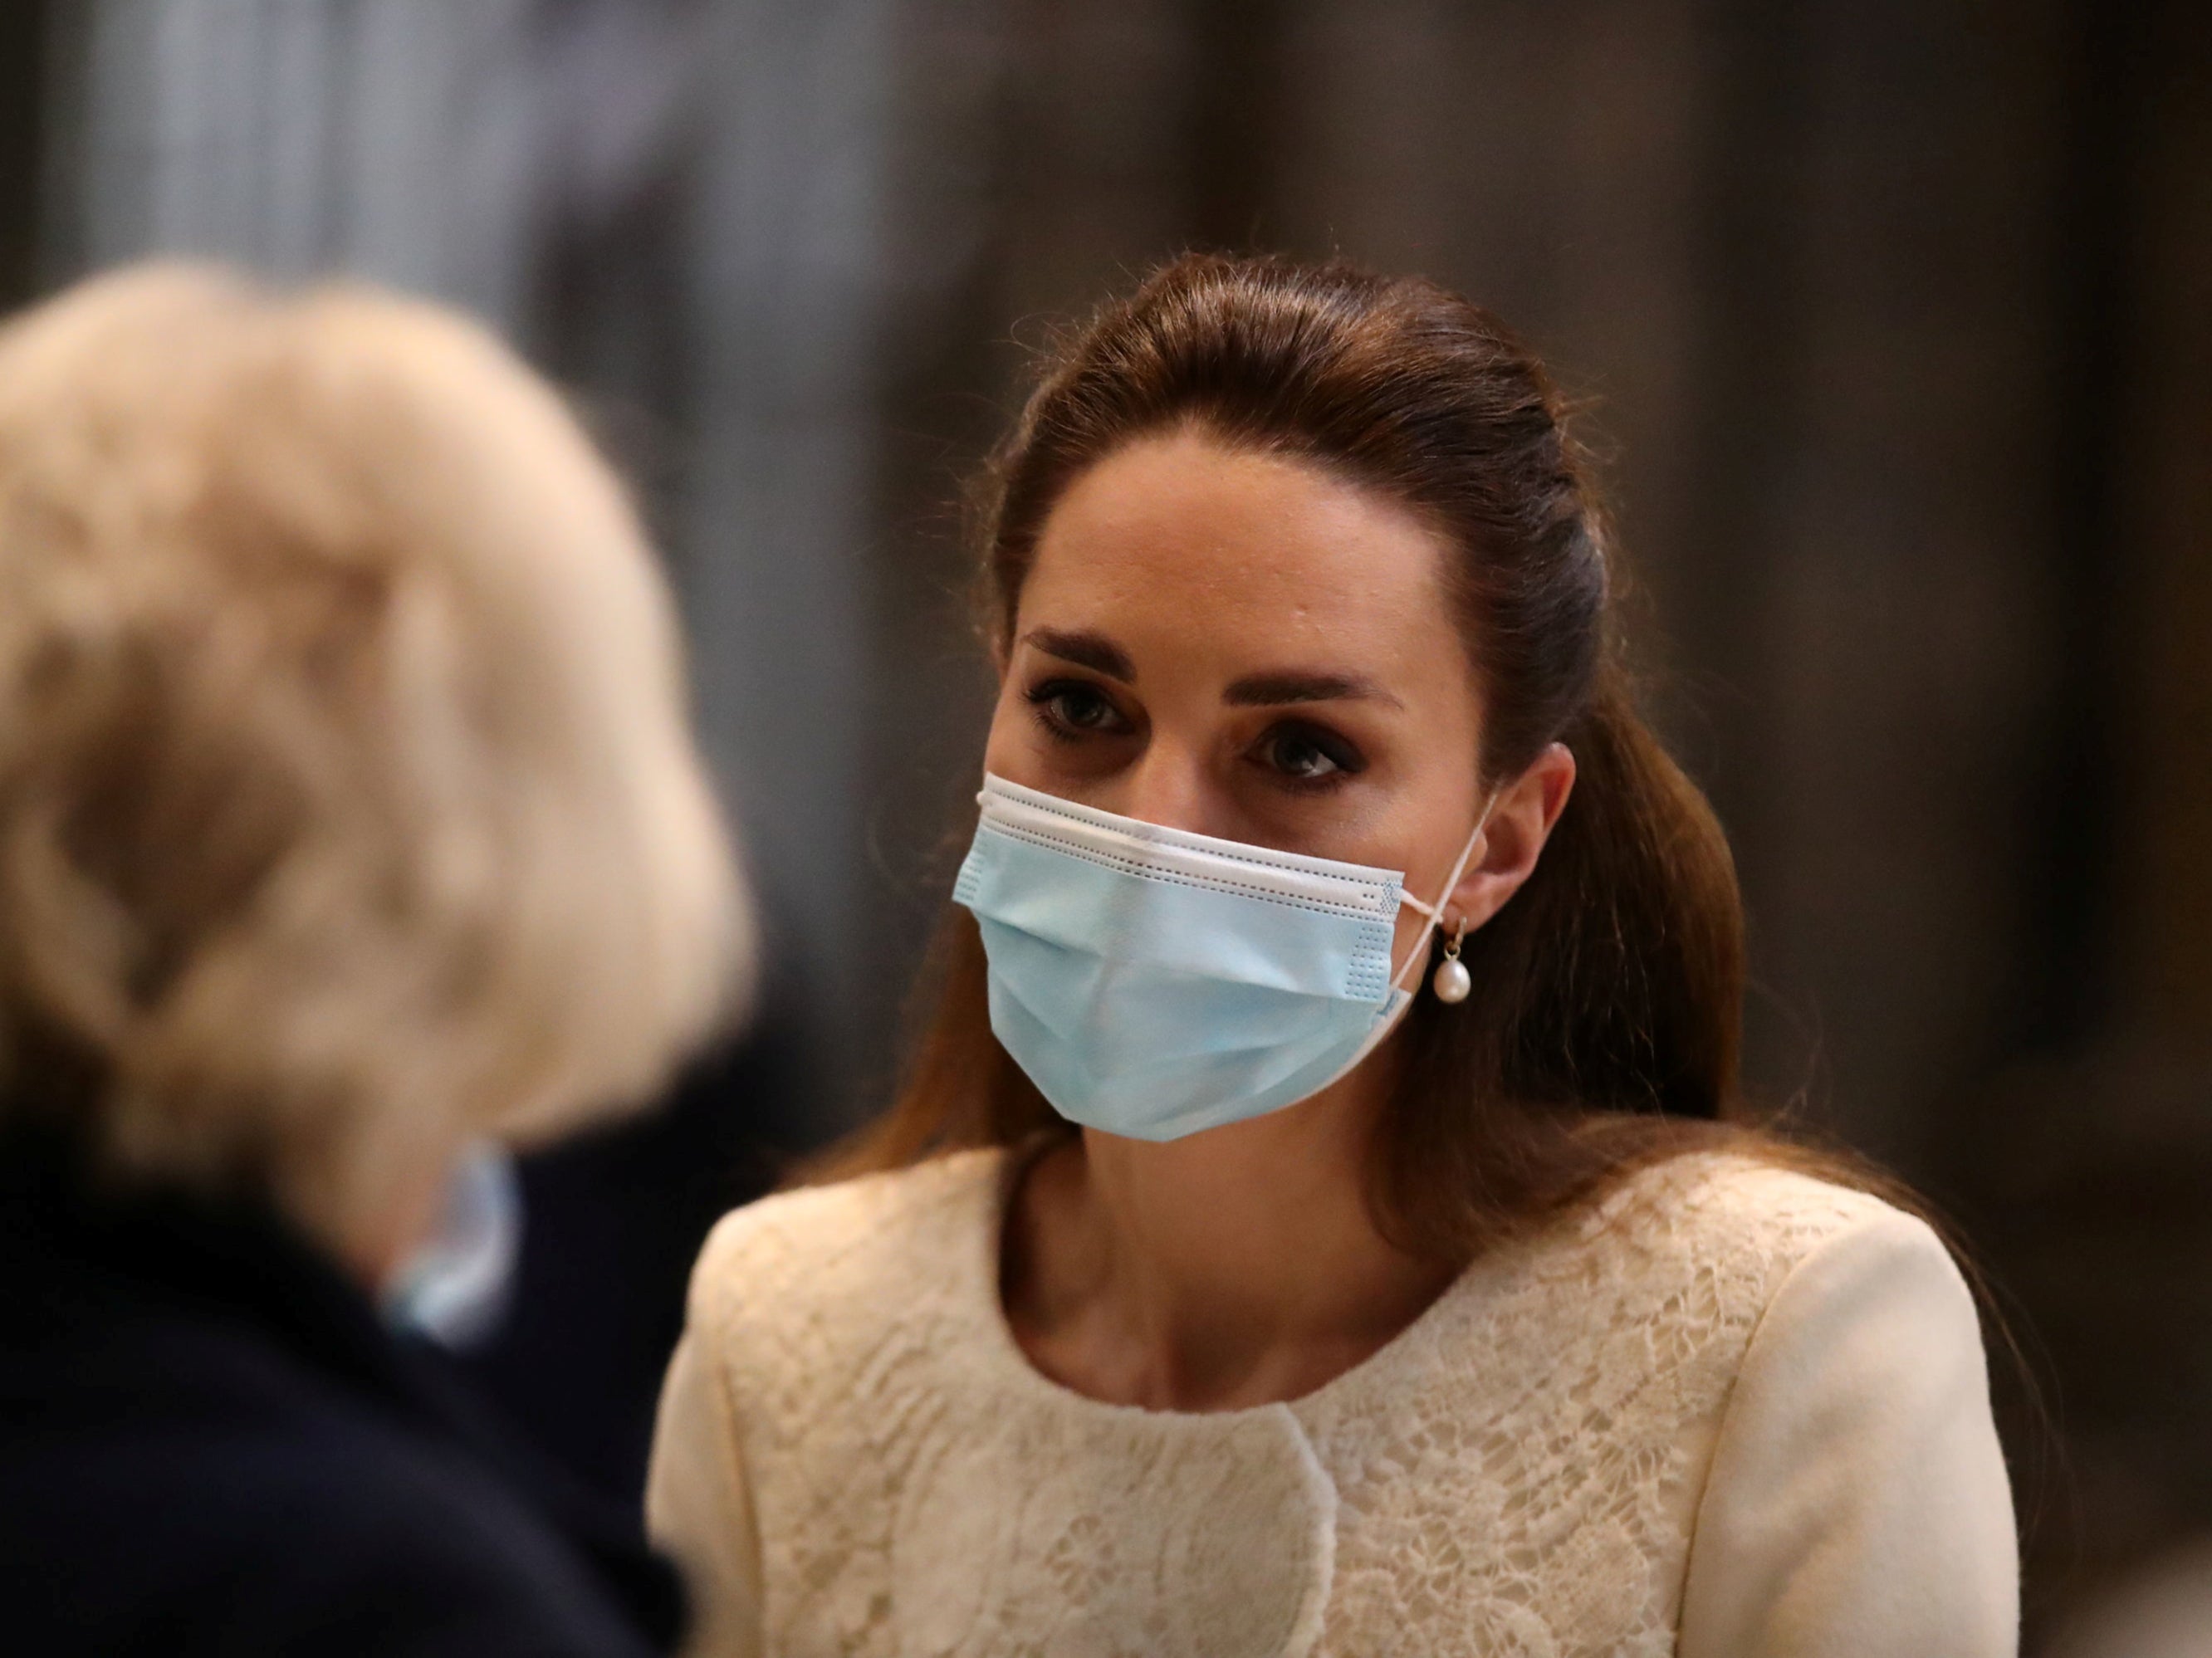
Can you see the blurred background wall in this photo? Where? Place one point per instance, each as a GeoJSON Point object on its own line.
{"type": "Point", "coordinates": [1892, 319]}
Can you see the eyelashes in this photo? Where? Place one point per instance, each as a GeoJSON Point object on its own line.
{"type": "Point", "coordinates": [1072, 709]}
{"type": "Point", "coordinates": [1308, 754]}
{"type": "Point", "coordinates": [1298, 754]}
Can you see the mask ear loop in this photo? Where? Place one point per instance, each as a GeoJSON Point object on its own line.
{"type": "Point", "coordinates": [1432, 914]}
{"type": "Point", "coordinates": [1385, 1024]}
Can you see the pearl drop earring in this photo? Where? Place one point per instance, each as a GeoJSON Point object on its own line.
{"type": "Point", "coordinates": [1452, 981]}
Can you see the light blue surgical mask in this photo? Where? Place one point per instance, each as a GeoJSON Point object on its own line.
{"type": "Point", "coordinates": [1154, 982]}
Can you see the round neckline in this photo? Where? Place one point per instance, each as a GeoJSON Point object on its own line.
{"type": "Point", "coordinates": [1006, 1165]}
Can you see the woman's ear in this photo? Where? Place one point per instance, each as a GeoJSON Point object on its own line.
{"type": "Point", "coordinates": [1514, 837]}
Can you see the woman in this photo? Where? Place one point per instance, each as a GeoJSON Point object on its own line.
{"type": "Point", "coordinates": [347, 814]}
{"type": "Point", "coordinates": [1311, 1225]}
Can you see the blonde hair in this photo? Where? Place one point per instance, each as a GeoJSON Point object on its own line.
{"type": "Point", "coordinates": [347, 804]}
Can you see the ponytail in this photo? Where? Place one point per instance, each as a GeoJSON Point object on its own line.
{"type": "Point", "coordinates": [1620, 962]}
{"type": "Point", "coordinates": [1604, 1032]}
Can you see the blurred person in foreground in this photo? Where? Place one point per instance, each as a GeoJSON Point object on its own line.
{"type": "Point", "coordinates": [348, 813]}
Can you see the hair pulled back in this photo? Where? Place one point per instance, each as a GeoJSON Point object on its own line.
{"type": "Point", "coordinates": [1604, 1030]}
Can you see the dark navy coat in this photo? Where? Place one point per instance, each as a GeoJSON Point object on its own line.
{"type": "Point", "coordinates": [209, 1444]}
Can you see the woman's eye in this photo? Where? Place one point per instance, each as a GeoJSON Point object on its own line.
{"type": "Point", "coordinates": [1307, 756]}
{"type": "Point", "coordinates": [1073, 708]}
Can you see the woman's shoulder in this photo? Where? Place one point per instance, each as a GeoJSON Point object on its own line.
{"type": "Point", "coordinates": [1744, 1225]}
{"type": "Point", "coordinates": [1742, 1193]}
{"type": "Point", "coordinates": [848, 1250]}
{"type": "Point", "coordinates": [1652, 1298]}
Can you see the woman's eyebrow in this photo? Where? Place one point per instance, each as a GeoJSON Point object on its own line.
{"type": "Point", "coordinates": [1086, 650]}
{"type": "Point", "coordinates": [1270, 690]}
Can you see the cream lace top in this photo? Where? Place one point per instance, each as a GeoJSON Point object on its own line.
{"type": "Point", "coordinates": [1734, 1410]}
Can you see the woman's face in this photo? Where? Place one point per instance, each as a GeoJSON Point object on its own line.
{"type": "Point", "coordinates": [1245, 647]}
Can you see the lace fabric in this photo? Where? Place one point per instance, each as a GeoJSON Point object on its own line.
{"type": "Point", "coordinates": [1516, 1474]}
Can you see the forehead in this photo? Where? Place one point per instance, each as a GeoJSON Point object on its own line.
{"type": "Point", "coordinates": [1177, 539]}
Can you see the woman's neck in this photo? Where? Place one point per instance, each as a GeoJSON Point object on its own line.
{"type": "Point", "coordinates": [1237, 1266]}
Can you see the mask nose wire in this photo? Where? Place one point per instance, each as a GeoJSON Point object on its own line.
{"type": "Point", "coordinates": [1432, 914]}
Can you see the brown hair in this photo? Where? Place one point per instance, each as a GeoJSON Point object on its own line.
{"type": "Point", "coordinates": [1604, 1032]}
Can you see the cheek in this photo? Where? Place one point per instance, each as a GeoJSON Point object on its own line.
{"type": "Point", "coordinates": [1015, 748]}
{"type": "Point", "coordinates": [1004, 744]}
